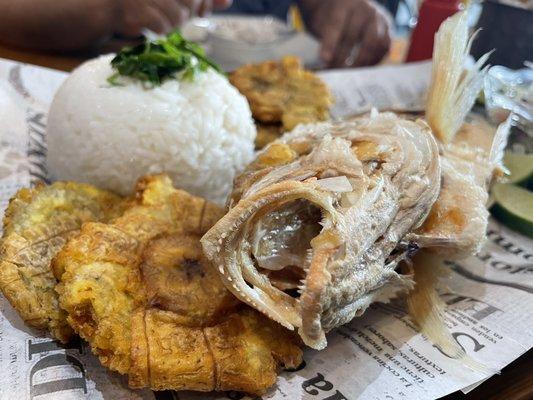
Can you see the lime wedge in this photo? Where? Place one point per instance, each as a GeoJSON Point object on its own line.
{"type": "Point", "coordinates": [521, 167]}
{"type": "Point", "coordinates": [514, 207]}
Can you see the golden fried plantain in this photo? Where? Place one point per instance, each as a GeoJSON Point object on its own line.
{"type": "Point", "coordinates": [37, 224]}
{"type": "Point", "coordinates": [194, 295]}
{"type": "Point", "coordinates": [139, 291]}
{"type": "Point", "coordinates": [282, 92]}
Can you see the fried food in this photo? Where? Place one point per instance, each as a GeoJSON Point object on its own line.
{"type": "Point", "coordinates": [37, 224]}
{"type": "Point", "coordinates": [267, 133]}
{"type": "Point", "coordinates": [140, 292]}
{"type": "Point", "coordinates": [324, 210]}
{"type": "Point", "coordinates": [330, 209]}
{"type": "Point", "coordinates": [458, 220]}
{"type": "Point", "coordinates": [282, 92]}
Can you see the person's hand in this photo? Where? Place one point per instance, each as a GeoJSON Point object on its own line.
{"type": "Point", "coordinates": [83, 24]}
{"type": "Point", "coordinates": [352, 32]}
{"type": "Point", "coordinates": [160, 16]}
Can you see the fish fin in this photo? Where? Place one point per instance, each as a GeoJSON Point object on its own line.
{"type": "Point", "coordinates": [499, 142]}
{"type": "Point", "coordinates": [426, 308]}
{"type": "Point", "coordinates": [453, 90]}
{"type": "Point", "coordinates": [398, 284]}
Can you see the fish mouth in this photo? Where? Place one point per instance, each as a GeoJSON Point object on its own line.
{"type": "Point", "coordinates": [281, 242]}
{"type": "Point", "coordinates": [293, 245]}
{"type": "Point", "coordinates": [276, 249]}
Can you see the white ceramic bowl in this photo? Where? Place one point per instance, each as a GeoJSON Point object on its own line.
{"type": "Point", "coordinates": [233, 40]}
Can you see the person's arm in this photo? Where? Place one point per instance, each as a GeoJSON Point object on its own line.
{"type": "Point", "coordinates": [352, 32]}
{"type": "Point", "coordinates": [78, 24]}
{"type": "Point", "coordinates": [52, 24]}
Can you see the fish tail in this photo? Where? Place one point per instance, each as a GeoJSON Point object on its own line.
{"type": "Point", "coordinates": [426, 308]}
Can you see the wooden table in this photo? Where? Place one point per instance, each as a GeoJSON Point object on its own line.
{"type": "Point", "coordinates": [54, 61]}
{"type": "Point", "coordinates": [516, 380]}
{"type": "Point", "coordinates": [67, 62]}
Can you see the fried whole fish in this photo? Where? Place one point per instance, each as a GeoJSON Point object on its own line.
{"type": "Point", "coordinates": [139, 291]}
{"type": "Point", "coordinates": [324, 211]}
{"type": "Point", "coordinates": [319, 222]}
{"type": "Point", "coordinates": [37, 223]}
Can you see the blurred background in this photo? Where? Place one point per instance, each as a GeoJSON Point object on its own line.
{"type": "Point", "coordinates": [325, 34]}
{"type": "Point", "coordinates": [332, 34]}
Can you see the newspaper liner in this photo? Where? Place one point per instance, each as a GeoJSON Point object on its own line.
{"type": "Point", "coordinates": [377, 356]}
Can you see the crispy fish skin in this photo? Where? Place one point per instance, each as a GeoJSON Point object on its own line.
{"type": "Point", "coordinates": [140, 292]}
{"type": "Point", "coordinates": [37, 224]}
{"type": "Point", "coordinates": [334, 200]}
{"type": "Point", "coordinates": [457, 224]}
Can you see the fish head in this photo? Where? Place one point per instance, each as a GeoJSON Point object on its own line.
{"type": "Point", "coordinates": [316, 224]}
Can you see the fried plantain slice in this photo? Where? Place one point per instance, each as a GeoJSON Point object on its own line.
{"type": "Point", "coordinates": [140, 292]}
{"type": "Point", "coordinates": [283, 92]}
{"type": "Point", "coordinates": [195, 295]}
{"type": "Point", "coordinates": [37, 223]}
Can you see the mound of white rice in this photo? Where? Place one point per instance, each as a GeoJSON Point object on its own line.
{"type": "Point", "coordinates": [201, 133]}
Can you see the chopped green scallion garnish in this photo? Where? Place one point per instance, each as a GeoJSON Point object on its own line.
{"type": "Point", "coordinates": [154, 61]}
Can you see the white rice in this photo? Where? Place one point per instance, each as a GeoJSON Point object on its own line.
{"type": "Point", "coordinates": [201, 133]}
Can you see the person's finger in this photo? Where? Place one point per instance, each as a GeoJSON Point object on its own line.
{"type": "Point", "coordinates": [376, 40]}
{"type": "Point", "coordinates": [172, 10]}
{"type": "Point", "coordinates": [129, 18]}
{"type": "Point", "coordinates": [375, 44]}
{"type": "Point", "coordinates": [192, 5]}
{"type": "Point", "coordinates": [331, 30]}
{"type": "Point", "coordinates": [155, 20]}
{"type": "Point", "coordinates": [206, 8]}
{"type": "Point", "coordinates": [136, 15]}
{"type": "Point", "coordinates": [353, 32]}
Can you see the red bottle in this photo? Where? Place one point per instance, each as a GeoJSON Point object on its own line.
{"type": "Point", "coordinates": [432, 14]}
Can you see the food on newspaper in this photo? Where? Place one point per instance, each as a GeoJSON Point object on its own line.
{"type": "Point", "coordinates": [137, 288]}
{"type": "Point", "coordinates": [37, 223]}
{"type": "Point", "coordinates": [326, 220]}
{"type": "Point", "coordinates": [166, 109]}
{"type": "Point", "coordinates": [324, 211]}
{"type": "Point", "coordinates": [282, 95]}
{"type": "Point", "coordinates": [319, 222]}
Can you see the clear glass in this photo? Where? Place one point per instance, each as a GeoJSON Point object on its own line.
{"type": "Point", "coordinates": [508, 91]}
